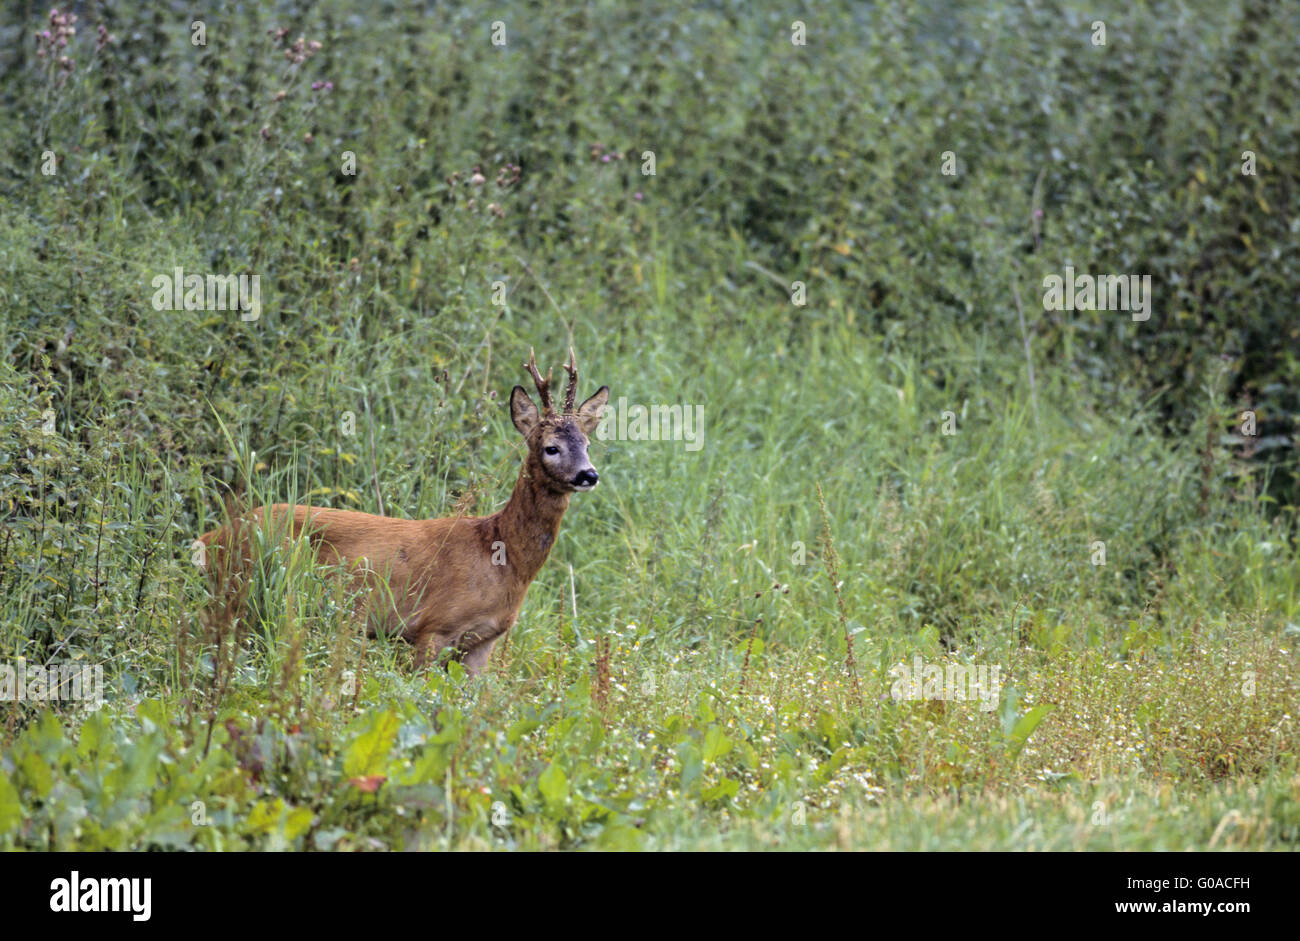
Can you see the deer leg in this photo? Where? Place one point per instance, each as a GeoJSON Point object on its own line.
{"type": "Point", "coordinates": [475, 645]}
{"type": "Point", "coordinates": [476, 657]}
{"type": "Point", "coordinates": [428, 647]}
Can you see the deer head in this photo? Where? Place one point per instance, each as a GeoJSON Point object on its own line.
{"type": "Point", "coordinates": [557, 441]}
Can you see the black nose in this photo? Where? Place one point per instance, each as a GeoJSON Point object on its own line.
{"type": "Point", "coordinates": [587, 478]}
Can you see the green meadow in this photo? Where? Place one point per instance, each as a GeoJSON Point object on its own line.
{"type": "Point", "coordinates": [829, 244]}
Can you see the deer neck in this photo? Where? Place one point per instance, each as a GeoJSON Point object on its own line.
{"type": "Point", "coordinates": [530, 521]}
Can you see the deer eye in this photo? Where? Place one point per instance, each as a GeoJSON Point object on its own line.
{"type": "Point", "coordinates": [552, 449]}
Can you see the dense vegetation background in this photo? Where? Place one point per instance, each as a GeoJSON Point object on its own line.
{"type": "Point", "coordinates": [705, 660]}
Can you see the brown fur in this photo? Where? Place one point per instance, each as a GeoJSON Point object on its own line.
{"type": "Point", "coordinates": [445, 590]}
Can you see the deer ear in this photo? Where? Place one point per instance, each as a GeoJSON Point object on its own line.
{"type": "Point", "coordinates": [523, 412]}
{"type": "Point", "coordinates": [589, 412]}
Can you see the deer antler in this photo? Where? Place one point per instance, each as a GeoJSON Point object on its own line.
{"type": "Point", "coordinates": [543, 385]}
{"type": "Point", "coordinates": [571, 367]}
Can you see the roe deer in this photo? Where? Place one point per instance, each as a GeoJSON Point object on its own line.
{"type": "Point", "coordinates": [459, 582]}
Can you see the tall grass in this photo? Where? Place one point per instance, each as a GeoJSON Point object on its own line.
{"type": "Point", "coordinates": [689, 670]}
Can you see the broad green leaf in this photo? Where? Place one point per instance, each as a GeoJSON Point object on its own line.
{"type": "Point", "coordinates": [688, 756]}
{"type": "Point", "coordinates": [723, 789]}
{"type": "Point", "coordinates": [151, 710]}
{"type": "Point", "coordinates": [47, 735]}
{"type": "Point", "coordinates": [716, 744]}
{"type": "Point", "coordinates": [554, 786]}
{"type": "Point", "coordinates": [1025, 728]}
{"type": "Point", "coordinates": [428, 768]}
{"type": "Point", "coordinates": [36, 773]}
{"type": "Point", "coordinates": [141, 765]}
{"type": "Point", "coordinates": [1008, 714]}
{"type": "Point", "coordinates": [264, 815]}
{"type": "Point", "coordinates": [92, 736]}
{"type": "Point", "coordinates": [11, 811]}
{"type": "Point", "coordinates": [368, 752]}
{"type": "Point", "coordinates": [521, 728]}
{"type": "Point", "coordinates": [827, 728]}
{"type": "Point", "coordinates": [927, 638]}
{"type": "Point", "coordinates": [297, 822]}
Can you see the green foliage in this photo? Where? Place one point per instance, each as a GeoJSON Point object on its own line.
{"type": "Point", "coordinates": [1160, 681]}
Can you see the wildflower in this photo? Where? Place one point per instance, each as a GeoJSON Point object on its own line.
{"type": "Point", "coordinates": [54, 39]}
{"type": "Point", "coordinates": [299, 51]}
